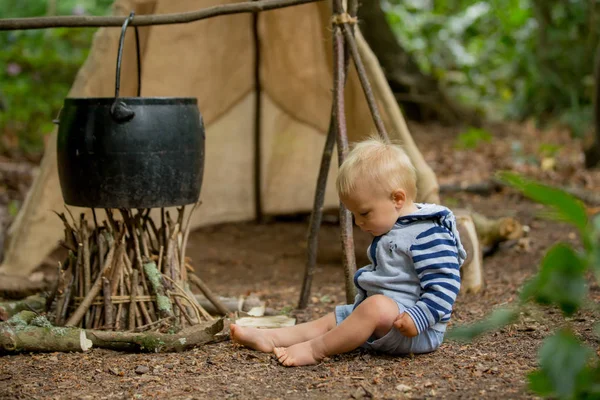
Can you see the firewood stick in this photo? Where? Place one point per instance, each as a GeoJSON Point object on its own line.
{"type": "Point", "coordinates": [67, 297]}
{"type": "Point", "coordinates": [108, 306]}
{"type": "Point", "coordinates": [63, 282]}
{"type": "Point", "coordinates": [138, 315]}
{"type": "Point", "coordinates": [153, 324]}
{"type": "Point", "coordinates": [175, 263]}
{"type": "Point", "coordinates": [145, 251]}
{"type": "Point", "coordinates": [87, 301]}
{"type": "Point", "coordinates": [98, 317]}
{"type": "Point", "coordinates": [101, 249]}
{"type": "Point", "coordinates": [111, 219]}
{"type": "Point", "coordinates": [139, 266]}
{"type": "Point", "coordinates": [119, 306]}
{"type": "Point", "coordinates": [87, 274]}
{"type": "Point", "coordinates": [195, 279]}
{"type": "Point", "coordinates": [171, 270]}
{"type": "Point", "coordinates": [163, 227]}
{"type": "Point", "coordinates": [127, 260]}
{"type": "Point", "coordinates": [133, 292]}
{"type": "Point", "coordinates": [69, 241]}
{"type": "Point", "coordinates": [183, 311]}
{"type": "Point", "coordinates": [493, 231]}
{"type": "Point", "coordinates": [96, 230]}
{"type": "Point", "coordinates": [162, 300]}
{"type": "Point", "coordinates": [55, 288]}
{"type": "Point", "coordinates": [149, 309]}
{"type": "Point", "coordinates": [160, 259]}
{"type": "Point", "coordinates": [117, 270]}
{"type": "Point", "coordinates": [156, 232]}
{"type": "Point", "coordinates": [79, 270]}
{"type": "Point", "coordinates": [186, 234]}
{"type": "Point", "coordinates": [191, 301]}
{"type": "Point", "coordinates": [144, 312]}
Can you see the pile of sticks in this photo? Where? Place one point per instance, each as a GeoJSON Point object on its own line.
{"type": "Point", "coordinates": [127, 274]}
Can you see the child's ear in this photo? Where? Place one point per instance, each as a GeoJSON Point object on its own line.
{"type": "Point", "coordinates": [399, 197]}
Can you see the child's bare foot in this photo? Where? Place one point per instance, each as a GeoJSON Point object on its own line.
{"type": "Point", "coordinates": [297, 355]}
{"type": "Point", "coordinates": [257, 339]}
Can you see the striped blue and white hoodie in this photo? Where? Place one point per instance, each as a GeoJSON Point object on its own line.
{"type": "Point", "coordinates": [417, 265]}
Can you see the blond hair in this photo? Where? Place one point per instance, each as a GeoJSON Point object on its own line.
{"type": "Point", "coordinates": [383, 165]}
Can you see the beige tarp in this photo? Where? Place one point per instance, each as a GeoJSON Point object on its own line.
{"type": "Point", "coordinates": [213, 60]}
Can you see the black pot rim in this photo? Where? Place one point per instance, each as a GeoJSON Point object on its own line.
{"type": "Point", "coordinates": [131, 100]}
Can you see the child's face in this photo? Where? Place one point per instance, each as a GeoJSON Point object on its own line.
{"type": "Point", "coordinates": [374, 211]}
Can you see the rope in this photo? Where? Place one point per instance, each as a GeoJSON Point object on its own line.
{"type": "Point", "coordinates": [345, 18]}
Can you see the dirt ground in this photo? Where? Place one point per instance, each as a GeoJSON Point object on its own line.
{"type": "Point", "coordinates": [268, 260]}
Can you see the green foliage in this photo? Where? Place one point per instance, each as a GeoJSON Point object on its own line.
{"type": "Point", "coordinates": [564, 368]}
{"type": "Point", "coordinates": [496, 320]}
{"type": "Point", "coordinates": [507, 58]}
{"type": "Point", "coordinates": [568, 369]}
{"type": "Point", "coordinates": [560, 281]}
{"type": "Point", "coordinates": [564, 206]}
{"type": "Point", "coordinates": [472, 137]}
{"type": "Point", "coordinates": [37, 68]}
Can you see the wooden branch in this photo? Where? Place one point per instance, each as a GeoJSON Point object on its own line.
{"type": "Point", "coordinates": [364, 81]}
{"type": "Point", "coordinates": [162, 300]}
{"type": "Point", "coordinates": [145, 20]}
{"type": "Point", "coordinates": [35, 303]}
{"type": "Point", "coordinates": [339, 79]}
{"type": "Point", "coordinates": [87, 301]}
{"type": "Point", "coordinates": [108, 306]}
{"type": "Point", "coordinates": [155, 341]}
{"type": "Point", "coordinates": [316, 216]}
{"type": "Point", "coordinates": [27, 332]}
{"type": "Point", "coordinates": [491, 231]}
{"type": "Point", "coordinates": [220, 307]}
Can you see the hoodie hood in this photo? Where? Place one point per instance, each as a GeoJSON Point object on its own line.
{"type": "Point", "coordinates": [440, 215]}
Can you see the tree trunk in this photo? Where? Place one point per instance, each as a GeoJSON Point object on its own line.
{"type": "Point", "coordinates": [592, 153]}
{"type": "Point", "coordinates": [420, 95]}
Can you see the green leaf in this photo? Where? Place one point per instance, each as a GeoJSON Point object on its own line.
{"type": "Point", "coordinates": [472, 138]}
{"type": "Point", "coordinates": [496, 320]}
{"type": "Point", "coordinates": [540, 383]}
{"type": "Point", "coordinates": [567, 207]}
{"type": "Point", "coordinates": [560, 281]}
{"type": "Point", "coordinates": [562, 364]}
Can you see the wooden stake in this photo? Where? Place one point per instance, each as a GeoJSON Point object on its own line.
{"type": "Point", "coordinates": [108, 306]}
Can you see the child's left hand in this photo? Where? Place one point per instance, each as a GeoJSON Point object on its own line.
{"type": "Point", "coordinates": [405, 324]}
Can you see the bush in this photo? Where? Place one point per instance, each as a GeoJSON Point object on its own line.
{"type": "Point", "coordinates": [568, 369]}
{"type": "Point", "coordinates": [507, 58]}
{"type": "Point", "coordinates": [40, 66]}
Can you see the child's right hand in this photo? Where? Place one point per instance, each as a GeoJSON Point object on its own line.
{"type": "Point", "coordinates": [405, 324]}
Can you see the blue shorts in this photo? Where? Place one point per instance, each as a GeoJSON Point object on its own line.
{"type": "Point", "coordinates": [395, 343]}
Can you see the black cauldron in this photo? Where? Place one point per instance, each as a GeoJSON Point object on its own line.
{"type": "Point", "coordinates": [130, 152]}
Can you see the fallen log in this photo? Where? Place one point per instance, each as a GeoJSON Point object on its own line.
{"type": "Point", "coordinates": [35, 303]}
{"type": "Point", "coordinates": [30, 332]}
{"type": "Point", "coordinates": [492, 232]}
{"type": "Point", "coordinates": [151, 341]}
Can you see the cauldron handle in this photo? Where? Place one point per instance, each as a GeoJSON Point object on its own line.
{"type": "Point", "coordinates": [119, 110]}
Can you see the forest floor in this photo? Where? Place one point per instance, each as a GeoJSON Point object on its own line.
{"type": "Point", "coordinates": [268, 260]}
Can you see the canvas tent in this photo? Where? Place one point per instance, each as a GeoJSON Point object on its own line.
{"type": "Point", "coordinates": [213, 60]}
